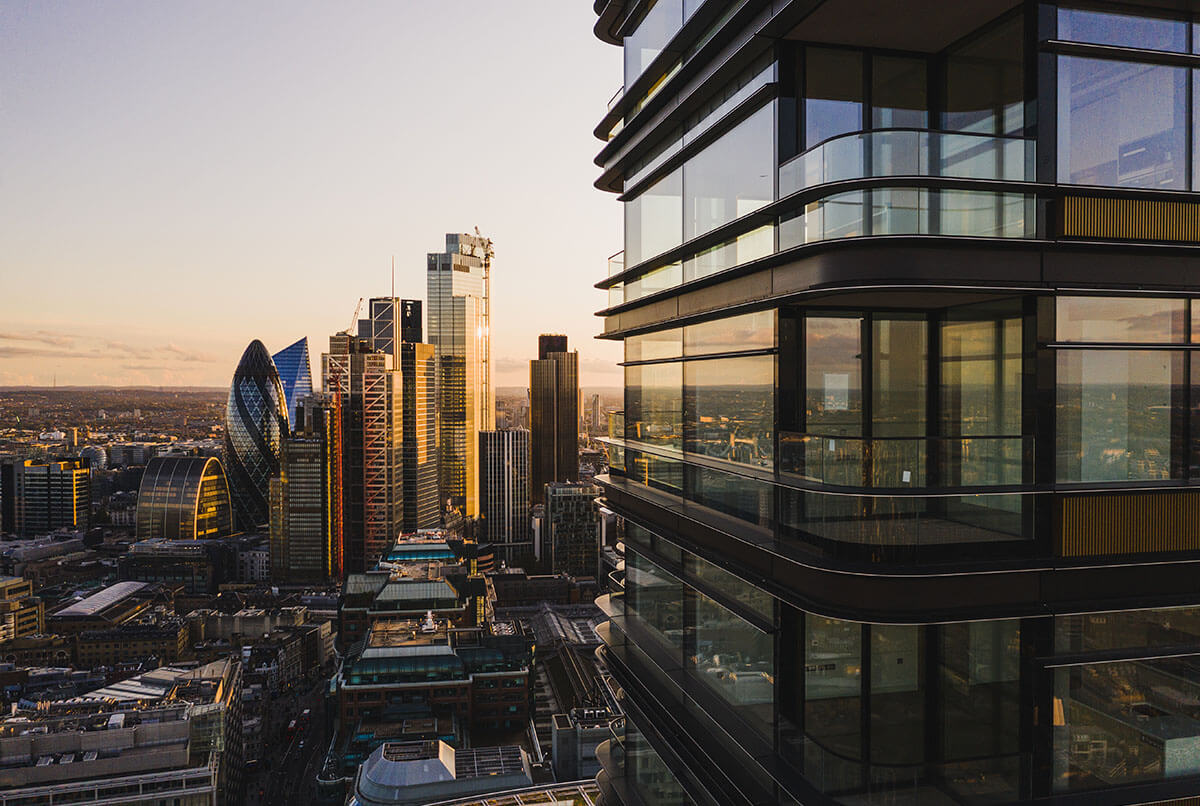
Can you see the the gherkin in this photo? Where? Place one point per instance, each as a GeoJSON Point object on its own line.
{"type": "Point", "coordinates": [256, 422]}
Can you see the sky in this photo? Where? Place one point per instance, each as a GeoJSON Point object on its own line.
{"type": "Point", "coordinates": [179, 178]}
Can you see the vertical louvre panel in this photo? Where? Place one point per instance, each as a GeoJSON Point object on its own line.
{"type": "Point", "coordinates": [1134, 523]}
{"type": "Point", "coordinates": [1130, 220]}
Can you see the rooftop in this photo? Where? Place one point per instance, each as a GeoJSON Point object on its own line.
{"type": "Point", "coordinates": [98, 602]}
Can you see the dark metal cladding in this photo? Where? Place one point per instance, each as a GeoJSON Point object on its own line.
{"type": "Point", "coordinates": [256, 421]}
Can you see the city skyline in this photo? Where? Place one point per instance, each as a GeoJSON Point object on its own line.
{"type": "Point", "coordinates": [246, 175]}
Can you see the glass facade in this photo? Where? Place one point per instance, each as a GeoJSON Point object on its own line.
{"type": "Point", "coordinates": [184, 498]}
{"type": "Point", "coordinates": [256, 421]}
{"type": "Point", "coordinates": [295, 374]}
{"type": "Point", "coordinates": [910, 518]}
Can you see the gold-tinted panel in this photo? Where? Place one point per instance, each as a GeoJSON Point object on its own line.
{"type": "Point", "coordinates": [1130, 220]}
{"type": "Point", "coordinates": [1131, 523]}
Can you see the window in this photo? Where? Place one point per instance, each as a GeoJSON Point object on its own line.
{"type": "Point", "coordinates": [898, 93]}
{"type": "Point", "coordinates": [658, 26]}
{"type": "Point", "coordinates": [735, 659]}
{"type": "Point", "coordinates": [985, 82]}
{"type": "Point", "coordinates": [833, 94]}
{"type": "Point", "coordinates": [1122, 30]}
{"type": "Point", "coordinates": [732, 177]}
{"type": "Point", "coordinates": [729, 409]}
{"type": "Point", "coordinates": [654, 220]}
{"type": "Point", "coordinates": [1120, 319]}
{"type": "Point", "coordinates": [1122, 124]}
{"type": "Point", "coordinates": [653, 404]}
{"type": "Point", "coordinates": [654, 601]}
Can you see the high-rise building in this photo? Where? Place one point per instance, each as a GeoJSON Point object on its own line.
{"type": "Point", "coordinates": [504, 494]}
{"type": "Point", "coordinates": [306, 500]}
{"type": "Point", "coordinates": [380, 327]}
{"type": "Point", "coordinates": [184, 498]}
{"type": "Point", "coordinates": [295, 374]}
{"type": "Point", "coordinates": [418, 368]}
{"type": "Point", "coordinates": [256, 421]}
{"type": "Point", "coordinates": [412, 328]}
{"type": "Point", "coordinates": [40, 497]}
{"type": "Point", "coordinates": [594, 420]}
{"type": "Point", "coordinates": [554, 413]}
{"type": "Point", "coordinates": [369, 397]}
{"type": "Point", "coordinates": [571, 530]}
{"type": "Point", "coordinates": [908, 457]}
{"type": "Point", "coordinates": [458, 281]}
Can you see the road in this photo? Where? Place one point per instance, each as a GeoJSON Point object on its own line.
{"type": "Point", "coordinates": [293, 773]}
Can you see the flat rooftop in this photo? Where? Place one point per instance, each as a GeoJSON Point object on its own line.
{"type": "Point", "coordinates": [99, 602]}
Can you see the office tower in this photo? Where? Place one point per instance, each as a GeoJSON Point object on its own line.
{"type": "Point", "coordinates": [504, 494]}
{"type": "Point", "coordinates": [379, 328]}
{"type": "Point", "coordinates": [369, 396]}
{"type": "Point", "coordinates": [459, 329]}
{"type": "Point", "coordinates": [184, 498]}
{"type": "Point", "coordinates": [295, 374]}
{"type": "Point", "coordinates": [594, 415]}
{"type": "Point", "coordinates": [418, 368]}
{"type": "Point", "coordinates": [554, 413]}
{"type": "Point", "coordinates": [21, 613]}
{"type": "Point", "coordinates": [412, 327]}
{"type": "Point", "coordinates": [571, 539]}
{"type": "Point", "coordinates": [41, 497]}
{"type": "Point", "coordinates": [256, 421]}
{"type": "Point", "coordinates": [908, 455]}
{"type": "Point", "coordinates": [305, 535]}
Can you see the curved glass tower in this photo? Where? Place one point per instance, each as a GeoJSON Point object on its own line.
{"type": "Point", "coordinates": [908, 470]}
{"type": "Point", "coordinates": [184, 498]}
{"type": "Point", "coordinates": [294, 373]}
{"type": "Point", "coordinates": [256, 420]}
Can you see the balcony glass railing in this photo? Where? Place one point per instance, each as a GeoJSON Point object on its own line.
{"type": "Point", "coordinates": [909, 152]}
{"type": "Point", "coordinates": [616, 263]}
{"type": "Point", "coordinates": [900, 462]}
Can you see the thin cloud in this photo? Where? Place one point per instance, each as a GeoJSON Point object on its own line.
{"type": "Point", "coordinates": [40, 337]}
{"type": "Point", "coordinates": [11, 351]}
{"type": "Point", "coordinates": [187, 355]}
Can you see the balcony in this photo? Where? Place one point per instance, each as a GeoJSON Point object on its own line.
{"type": "Point", "coordinates": [909, 153]}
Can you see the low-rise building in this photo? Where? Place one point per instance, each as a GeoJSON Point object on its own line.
{"type": "Point", "coordinates": [106, 608]}
{"type": "Point", "coordinates": [417, 773]}
{"type": "Point", "coordinates": [575, 737]}
{"type": "Point", "coordinates": [21, 613]}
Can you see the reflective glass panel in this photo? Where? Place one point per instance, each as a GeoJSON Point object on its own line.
{"type": "Point", "coordinates": [654, 220]}
{"type": "Point", "coordinates": [742, 249]}
{"type": "Point", "coordinates": [898, 368]}
{"type": "Point", "coordinates": [985, 82]}
{"type": "Point", "coordinates": [732, 586]}
{"type": "Point", "coordinates": [1122, 124]}
{"type": "Point", "coordinates": [898, 89]}
{"type": "Point", "coordinates": [642, 47]}
{"type": "Point", "coordinates": [752, 331]}
{"type": "Point", "coordinates": [981, 673]}
{"type": "Point", "coordinates": [648, 774]}
{"type": "Point", "coordinates": [654, 601]}
{"type": "Point", "coordinates": [1122, 723]}
{"type": "Point", "coordinates": [735, 659]}
{"type": "Point", "coordinates": [747, 499]}
{"type": "Point", "coordinates": [652, 346]}
{"type": "Point", "coordinates": [1129, 629]}
{"type": "Point", "coordinates": [833, 89]}
{"type": "Point", "coordinates": [833, 373]}
{"type": "Point", "coordinates": [654, 404]}
{"type": "Point", "coordinates": [732, 177]}
{"type": "Point", "coordinates": [897, 694]}
{"type": "Point", "coordinates": [1122, 30]}
{"type": "Point", "coordinates": [833, 665]}
{"type": "Point", "coordinates": [1147, 320]}
{"type": "Point", "coordinates": [1115, 414]}
{"type": "Point", "coordinates": [729, 409]}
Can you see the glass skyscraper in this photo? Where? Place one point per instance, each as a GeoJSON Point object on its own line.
{"type": "Point", "coordinates": [553, 414]}
{"type": "Point", "coordinates": [459, 329]}
{"type": "Point", "coordinates": [504, 494]}
{"type": "Point", "coordinates": [184, 498]}
{"type": "Point", "coordinates": [256, 421]}
{"type": "Point", "coordinates": [294, 373]}
{"type": "Point", "coordinates": [909, 454]}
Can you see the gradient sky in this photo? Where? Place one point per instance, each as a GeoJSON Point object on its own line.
{"type": "Point", "coordinates": [178, 178]}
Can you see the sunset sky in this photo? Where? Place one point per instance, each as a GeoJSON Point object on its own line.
{"type": "Point", "coordinates": [179, 178]}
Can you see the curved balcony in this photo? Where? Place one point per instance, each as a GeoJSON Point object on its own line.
{"type": "Point", "coordinates": [909, 152]}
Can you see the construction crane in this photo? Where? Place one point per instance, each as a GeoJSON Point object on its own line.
{"type": "Point", "coordinates": [354, 319]}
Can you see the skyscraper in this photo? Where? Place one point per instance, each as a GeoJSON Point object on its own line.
{"type": "Point", "coordinates": [459, 329]}
{"type": "Point", "coordinates": [418, 367]}
{"type": "Point", "coordinates": [184, 498]}
{"type": "Point", "coordinates": [370, 400]}
{"type": "Point", "coordinates": [908, 457]}
{"type": "Point", "coordinates": [295, 374]}
{"type": "Point", "coordinates": [39, 497]}
{"type": "Point", "coordinates": [571, 538]}
{"type": "Point", "coordinates": [554, 413]}
{"type": "Point", "coordinates": [504, 493]}
{"type": "Point", "coordinates": [256, 421]}
{"type": "Point", "coordinates": [306, 500]}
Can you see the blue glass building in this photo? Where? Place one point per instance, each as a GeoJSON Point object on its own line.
{"type": "Point", "coordinates": [256, 420]}
{"type": "Point", "coordinates": [294, 373]}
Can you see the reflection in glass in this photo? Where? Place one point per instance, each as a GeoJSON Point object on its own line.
{"type": "Point", "coordinates": [1129, 629]}
{"type": "Point", "coordinates": [1122, 124]}
{"type": "Point", "coordinates": [1121, 723]}
{"type": "Point", "coordinates": [645, 770]}
{"type": "Point", "coordinates": [1122, 30]}
{"type": "Point", "coordinates": [732, 177]}
{"type": "Point", "coordinates": [729, 409]}
{"type": "Point", "coordinates": [654, 404]}
{"type": "Point", "coordinates": [751, 331]}
{"type": "Point", "coordinates": [899, 353]}
{"type": "Point", "coordinates": [833, 663]}
{"type": "Point", "coordinates": [833, 88]}
{"type": "Point", "coordinates": [744, 248]}
{"type": "Point", "coordinates": [977, 214]}
{"type": "Point", "coordinates": [660, 23]}
{"type": "Point", "coordinates": [985, 82]}
{"type": "Point", "coordinates": [1111, 320]}
{"type": "Point", "coordinates": [897, 694]}
{"type": "Point", "coordinates": [657, 472]}
{"type": "Point", "coordinates": [652, 282]}
{"type": "Point", "coordinates": [1115, 413]}
{"type": "Point", "coordinates": [654, 220]}
{"type": "Point", "coordinates": [652, 346]}
{"type": "Point", "coordinates": [833, 375]}
{"type": "Point", "coordinates": [898, 88]}
{"type": "Point", "coordinates": [732, 586]}
{"type": "Point", "coordinates": [654, 601]}
{"type": "Point", "coordinates": [735, 659]}
{"type": "Point", "coordinates": [747, 499]}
